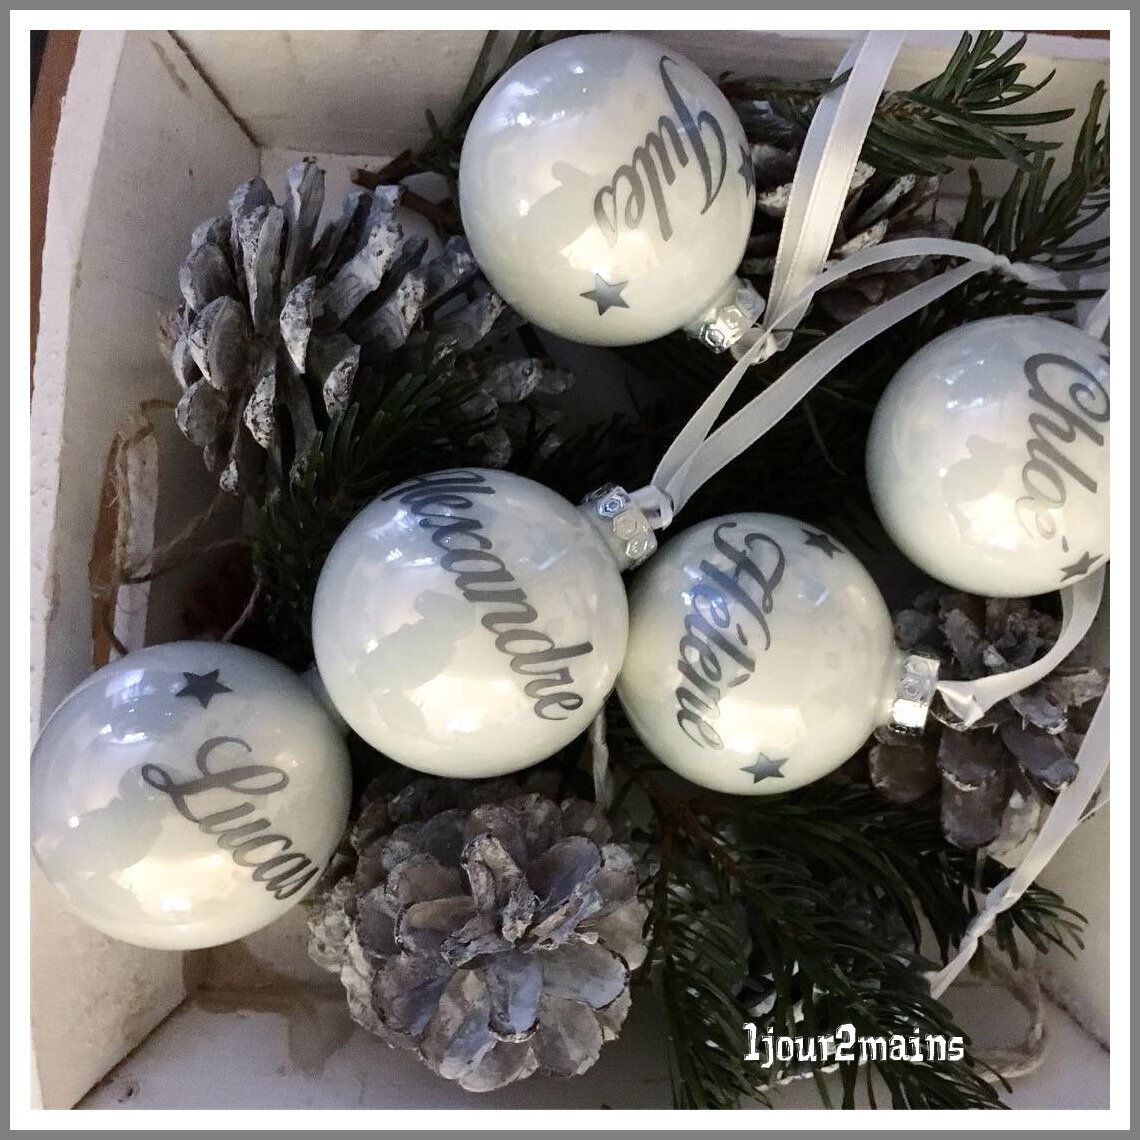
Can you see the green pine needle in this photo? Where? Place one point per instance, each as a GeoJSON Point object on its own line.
{"type": "Point", "coordinates": [959, 116]}
{"type": "Point", "coordinates": [801, 912]}
{"type": "Point", "coordinates": [406, 424]}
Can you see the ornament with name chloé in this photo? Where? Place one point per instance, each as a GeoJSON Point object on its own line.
{"type": "Point", "coordinates": [762, 655]}
{"type": "Point", "coordinates": [607, 191]}
{"type": "Point", "coordinates": [187, 794]}
{"type": "Point", "coordinates": [471, 622]}
{"type": "Point", "coordinates": [988, 456]}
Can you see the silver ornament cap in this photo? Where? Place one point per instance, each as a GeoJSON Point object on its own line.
{"type": "Point", "coordinates": [622, 523]}
{"type": "Point", "coordinates": [726, 321]}
{"type": "Point", "coordinates": [917, 684]}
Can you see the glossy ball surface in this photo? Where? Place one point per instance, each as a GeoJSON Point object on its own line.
{"type": "Point", "coordinates": [761, 654]}
{"type": "Point", "coordinates": [187, 795]}
{"type": "Point", "coordinates": [988, 456]}
{"type": "Point", "coordinates": [469, 623]}
{"type": "Point", "coordinates": [607, 189]}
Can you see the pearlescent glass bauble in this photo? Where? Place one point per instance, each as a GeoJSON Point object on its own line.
{"type": "Point", "coordinates": [469, 623]}
{"type": "Point", "coordinates": [607, 189]}
{"type": "Point", "coordinates": [761, 655]}
{"type": "Point", "coordinates": [187, 795]}
{"type": "Point", "coordinates": [988, 456]}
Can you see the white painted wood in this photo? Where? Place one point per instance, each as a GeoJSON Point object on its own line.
{"type": "Point", "coordinates": [78, 145]}
{"type": "Point", "coordinates": [142, 146]}
{"type": "Point", "coordinates": [202, 1059]}
{"type": "Point", "coordinates": [350, 92]}
{"type": "Point", "coordinates": [365, 92]}
{"type": "Point", "coordinates": [1079, 872]}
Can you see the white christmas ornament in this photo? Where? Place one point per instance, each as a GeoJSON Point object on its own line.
{"type": "Point", "coordinates": [761, 656]}
{"type": "Point", "coordinates": [472, 622]}
{"type": "Point", "coordinates": [607, 191]}
{"type": "Point", "coordinates": [988, 456]}
{"type": "Point", "coordinates": [187, 795]}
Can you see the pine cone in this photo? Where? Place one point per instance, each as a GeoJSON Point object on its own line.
{"type": "Point", "coordinates": [280, 328]}
{"type": "Point", "coordinates": [879, 207]}
{"type": "Point", "coordinates": [515, 398]}
{"type": "Point", "coordinates": [495, 938]}
{"type": "Point", "coordinates": [996, 777]}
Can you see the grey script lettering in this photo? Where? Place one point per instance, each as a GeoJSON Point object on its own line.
{"type": "Point", "coordinates": [650, 170]}
{"type": "Point", "coordinates": [714, 653]}
{"type": "Point", "coordinates": [483, 579]}
{"type": "Point", "coordinates": [284, 872]}
{"type": "Point", "coordinates": [1063, 418]}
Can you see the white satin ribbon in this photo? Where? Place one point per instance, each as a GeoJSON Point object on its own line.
{"type": "Point", "coordinates": [1068, 811]}
{"type": "Point", "coordinates": [815, 205]}
{"type": "Point", "coordinates": [971, 700]}
{"type": "Point", "coordinates": [695, 456]}
{"type": "Point", "coordinates": [824, 171]}
{"type": "Point", "coordinates": [1097, 320]}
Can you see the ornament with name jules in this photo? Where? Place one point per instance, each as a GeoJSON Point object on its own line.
{"type": "Point", "coordinates": [470, 623]}
{"type": "Point", "coordinates": [187, 795]}
{"type": "Point", "coordinates": [607, 191]}
{"type": "Point", "coordinates": [987, 457]}
{"type": "Point", "coordinates": [762, 655]}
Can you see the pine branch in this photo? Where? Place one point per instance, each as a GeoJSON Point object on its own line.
{"type": "Point", "coordinates": [440, 155]}
{"type": "Point", "coordinates": [802, 912]}
{"type": "Point", "coordinates": [961, 115]}
{"type": "Point", "coordinates": [1039, 219]}
{"type": "Point", "coordinates": [407, 423]}
{"type": "Point", "coordinates": [812, 464]}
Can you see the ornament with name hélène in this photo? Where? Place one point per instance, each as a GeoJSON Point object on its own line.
{"type": "Point", "coordinates": [472, 622]}
{"type": "Point", "coordinates": [607, 190]}
{"type": "Point", "coordinates": [988, 456]}
{"type": "Point", "coordinates": [187, 795]}
{"type": "Point", "coordinates": [761, 655]}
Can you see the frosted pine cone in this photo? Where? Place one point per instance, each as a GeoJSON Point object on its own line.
{"type": "Point", "coordinates": [514, 397]}
{"type": "Point", "coordinates": [880, 207]}
{"type": "Point", "coordinates": [280, 328]}
{"type": "Point", "coordinates": [995, 778]}
{"type": "Point", "coordinates": [496, 940]}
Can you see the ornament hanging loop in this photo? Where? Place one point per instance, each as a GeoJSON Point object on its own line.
{"type": "Point", "coordinates": [1067, 813]}
{"type": "Point", "coordinates": [969, 701]}
{"type": "Point", "coordinates": [699, 452]}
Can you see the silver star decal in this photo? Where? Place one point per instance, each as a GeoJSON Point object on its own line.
{"type": "Point", "coordinates": [203, 687]}
{"type": "Point", "coordinates": [822, 542]}
{"type": "Point", "coordinates": [606, 294]}
{"type": "Point", "coordinates": [1081, 567]}
{"type": "Point", "coordinates": [761, 768]}
{"type": "Point", "coordinates": [747, 169]}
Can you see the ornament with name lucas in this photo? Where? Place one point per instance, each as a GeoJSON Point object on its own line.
{"type": "Point", "coordinates": [762, 655]}
{"type": "Point", "coordinates": [471, 622]}
{"type": "Point", "coordinates": [988, 456]}
{"type": "Point", "coordinates": [607, 190]}
{"type": "Point", "coordinates": [187, 794]}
